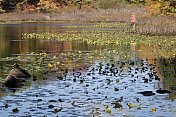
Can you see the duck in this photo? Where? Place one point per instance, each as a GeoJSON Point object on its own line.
{"type": "Point", "coordinates": [163, 91]}
{"type": "Point", "coordinates": [147, 93]}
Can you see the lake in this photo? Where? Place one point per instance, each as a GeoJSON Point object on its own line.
{"type": "Point", "coordinates": [76, 79]}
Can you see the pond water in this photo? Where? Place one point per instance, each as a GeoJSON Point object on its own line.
{"type": "Point", "coordinates": [90, 80]}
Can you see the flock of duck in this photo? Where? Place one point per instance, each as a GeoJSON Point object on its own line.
{"type": "Point", "coordinates": [17, 75]}
{"type": "Point", "coordinates": [111, 70]}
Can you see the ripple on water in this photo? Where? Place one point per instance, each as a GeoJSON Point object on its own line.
{"type": "Point", "coordinates": [97, 90]}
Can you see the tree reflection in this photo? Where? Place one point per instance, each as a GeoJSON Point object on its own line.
{"type": "Point", "coordinates": [165, 65]}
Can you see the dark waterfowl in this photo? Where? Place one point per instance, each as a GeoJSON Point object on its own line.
{"type": "Point", "coordinates": [146, 93]}
{"type": "Point", "coordinates": [13, 78]}
{"type": "Point", "coordinates": [163, 91]}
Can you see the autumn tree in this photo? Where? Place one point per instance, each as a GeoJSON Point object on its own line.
{"type": "Point", "coordinates": [167, 7]}
{"type": "Point", "coordinates": [8, 5]}
{"type": "Point", "coordinates": [157, 7]}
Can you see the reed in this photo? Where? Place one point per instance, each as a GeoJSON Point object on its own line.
{"type": "Point", "coordinates": [157, 25]}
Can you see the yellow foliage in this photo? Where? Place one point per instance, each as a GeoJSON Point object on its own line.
{"type": "Point", "coordinates": [1, 10]}
{"type": "Point", "coordinates": [153, 109]}
{"type": "Point", "coordinates": [158, 7]}
{"type": "Point", "coordinates": [50, 65]}
{"type": "Point", "coordinates": [148, 0]}
{"type": "Point", "coordinates": [47, 6]}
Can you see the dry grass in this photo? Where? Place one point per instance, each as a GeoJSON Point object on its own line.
{"type": "Point", "coordinates": [157, 25]}
{"type": "Point", "coordinates": [15, 16]}
{"type": "Point", "coordinates": [117, 15]}
{"type": "Point", "coordinates": [153, 25]}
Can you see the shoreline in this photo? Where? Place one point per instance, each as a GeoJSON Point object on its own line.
{"type": "Point", "coordinates": [145, 25]}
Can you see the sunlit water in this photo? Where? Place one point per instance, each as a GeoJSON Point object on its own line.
{"type": "Point", "coordinates": [96, 86]}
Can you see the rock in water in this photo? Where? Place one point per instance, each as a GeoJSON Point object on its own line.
{"type": "Point", "coordinates": [19, 72]}
{"type": "Point", "coordinates": [13, 78]}
{"type": "Point", "coordinates": [11, 81]}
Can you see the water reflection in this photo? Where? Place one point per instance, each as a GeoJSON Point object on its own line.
{"type": "Point", "coordinates": [164, 67]}
{"type": "Point", "coordinates": [11, 42]}
{"type": "Point", "coordinates": [12, 45]}
{"type": "Point", "coordinates": [10, 37]}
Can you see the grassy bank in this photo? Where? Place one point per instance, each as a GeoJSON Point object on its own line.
{"type": "Point", "coordinates": [145, 25]}
{"type": "Point", "coordinates": [69, 14]}
{"type": "Point", "coordinates": [156, 25]}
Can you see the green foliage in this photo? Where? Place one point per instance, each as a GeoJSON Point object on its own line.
{"type": "Point", "coordinates": [19, 5]}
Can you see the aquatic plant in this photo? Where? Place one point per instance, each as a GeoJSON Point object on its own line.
{"type": "Point", "coordinates": [153, 109]}
{"type": "Point", "coordinates": [105, 38]}
{"type": "Point", "coordinates": [130, 105]}
{"type": "Point", "coordinates": [112, 73]}
{"type": "Point", "coordinates": [108, 110]}
{"type": "Point", "coordinates": [56, 110]}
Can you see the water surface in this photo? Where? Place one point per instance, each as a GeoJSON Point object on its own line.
{"type": "Point", "coordinates": [96, 69]}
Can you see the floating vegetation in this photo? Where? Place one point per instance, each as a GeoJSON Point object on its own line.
{"type": "Point", "coordinates": [43, 62]}
{"type": "Point", "coordinates": [100, 25]}
{"type": "Point", "coordinates": [163, 46]}
{"type": "Point", "coordinates": [153, 109]}
{"type": "Point", "coordinates": [108, 110]}
{"type": "Point", "coordinates": [98, 80]}
{"type": "Point", "coordinates": [130, 105]}
{"type": "Point", "coordinates": [96, 37]}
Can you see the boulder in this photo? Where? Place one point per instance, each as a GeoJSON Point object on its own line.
{"type": "Point", "coordinates": [14, 77]}
{"type": "Point", "coordinates": [11, 81]}
{"type": "Point", "coordinates": [19, 72]}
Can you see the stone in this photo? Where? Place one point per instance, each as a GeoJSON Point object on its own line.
{"type": "Point", "coordinates": [14, 77]}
